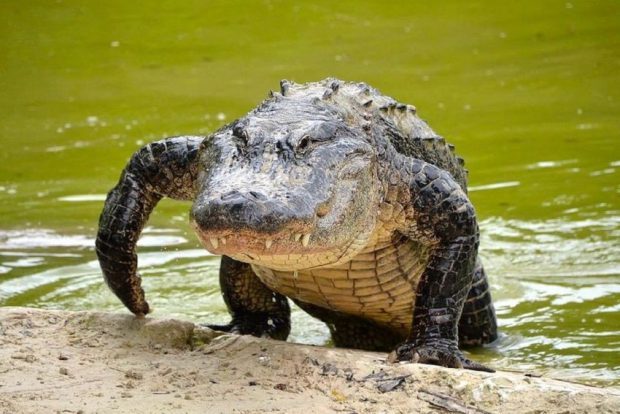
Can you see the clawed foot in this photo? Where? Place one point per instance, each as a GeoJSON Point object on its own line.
{"type": "Point", "coordinates": [242, 329]}
{"type": "Point", "coordinates": [230, 327]}
{"type": "Point", "coordinates": [442, 353]}
{"type": "Point", "coordinates": [270, 327]}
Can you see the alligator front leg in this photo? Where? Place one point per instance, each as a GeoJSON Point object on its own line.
{"type": "Point", "coordinates": [443, 214]}
{"type": "Point", "coordinates": [255, 309]}
{"type": "Point", "coordinates": [166, 168]}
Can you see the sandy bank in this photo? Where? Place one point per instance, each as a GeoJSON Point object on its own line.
{"type": "Point", "coordinates": [88, 362]}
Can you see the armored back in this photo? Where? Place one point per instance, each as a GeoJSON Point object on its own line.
{"type": "Point", "coordinates": [363, 105]}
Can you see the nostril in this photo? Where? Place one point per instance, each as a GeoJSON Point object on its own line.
{"type": "Point", "coordinates": [232, 195]}
{"type": "Point", "coordinates": [257, 196]}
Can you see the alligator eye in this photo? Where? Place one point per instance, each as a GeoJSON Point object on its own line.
{"type": "Point", "coordinates": [240, 132]}
{"type": "Point", "coordinates": [304, 143]}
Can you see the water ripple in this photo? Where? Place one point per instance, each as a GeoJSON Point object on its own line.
{"type": "Point", "coordinates": [555, 283]}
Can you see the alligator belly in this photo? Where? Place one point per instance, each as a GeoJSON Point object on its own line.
{"type": "Point", "coordinates": [378, 284]}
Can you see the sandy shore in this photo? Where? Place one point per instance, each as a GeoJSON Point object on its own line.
{"type": "Point", "coordinates": [88, 362]}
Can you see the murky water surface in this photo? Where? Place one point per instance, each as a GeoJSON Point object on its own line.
{"type": "Point", "coordinates": [529, 93]}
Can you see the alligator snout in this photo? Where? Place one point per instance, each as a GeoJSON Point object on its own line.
{"type": "Point", "coordinates": [252, 212]}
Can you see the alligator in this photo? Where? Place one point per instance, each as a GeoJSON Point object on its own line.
{"type": "Point", "coordinates": [333, 195]}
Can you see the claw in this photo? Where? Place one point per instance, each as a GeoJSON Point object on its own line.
{"type": "Point", "coordinates": [221, 328]}
{"type": "Point", "coordinates": [272, 327]}
{"type": "Point", "coordinates": [444, 354]}
{"type": "Point", "coordinates": [475, 366]}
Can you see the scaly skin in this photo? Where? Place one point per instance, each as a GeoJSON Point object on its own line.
{"type": "Point", "coordinates": [330, 194]}
{"type": "Point", "coordinates": [161, 169]}
{"type": "Point", "coordinates": [255, 309]}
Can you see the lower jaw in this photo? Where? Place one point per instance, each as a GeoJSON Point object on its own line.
{"type": "Point", "coordinates": [287, 262]}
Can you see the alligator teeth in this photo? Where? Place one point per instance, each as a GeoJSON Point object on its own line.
{"type": "Point", "coordinates": [297, 237]}
{"type": "Point", "coordinates": [214, 242]}
{"type": "Point", "coordinates": [223, 240]}
{"type": "Point", "coordinates": [305, 240]}
{"type": "Point", "coordinates": [268, 243]}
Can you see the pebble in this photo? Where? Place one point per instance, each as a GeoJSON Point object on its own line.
{"type": "Point", "coordinates": [133, 375]}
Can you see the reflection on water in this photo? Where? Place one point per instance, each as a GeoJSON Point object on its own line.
{"type": "Point", "coordinates": [556, 295]}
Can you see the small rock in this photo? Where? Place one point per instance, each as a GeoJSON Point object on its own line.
{"type": "Point", "coordinates": [133, 375]}
{"type": "Point", "coordinates": [63, 357]}
{"type": "Point", "coordinates": [390, 385]}
{"type": "Point", "coordinates": [503, 382]}
{"type": "Point", "coordinates": [281, 387]}
{"type": "Point", "coordinates": [24, 357]}
{"type": "Point", "coordinates": [328, 369]}
{"type": "Point", "coordinates": [348, 374]}
{"type": "Point", "coordinates": [252, 383]}
{"type": "Point", "coordinates": [338, 396]}
{"type": "Point", "coordinates": [63, 371]}
{"type": "Point", "coordinates": [312, 361]}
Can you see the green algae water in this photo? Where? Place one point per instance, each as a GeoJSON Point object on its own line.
{"type": "Point", "coordinates": [528, 92]}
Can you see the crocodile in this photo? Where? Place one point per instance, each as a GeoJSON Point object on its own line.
{"type": "Point", "coordinates": [330, 194]}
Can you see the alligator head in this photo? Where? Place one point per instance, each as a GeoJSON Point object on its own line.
{"type": "Point", "coordinates": [292, 185]}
